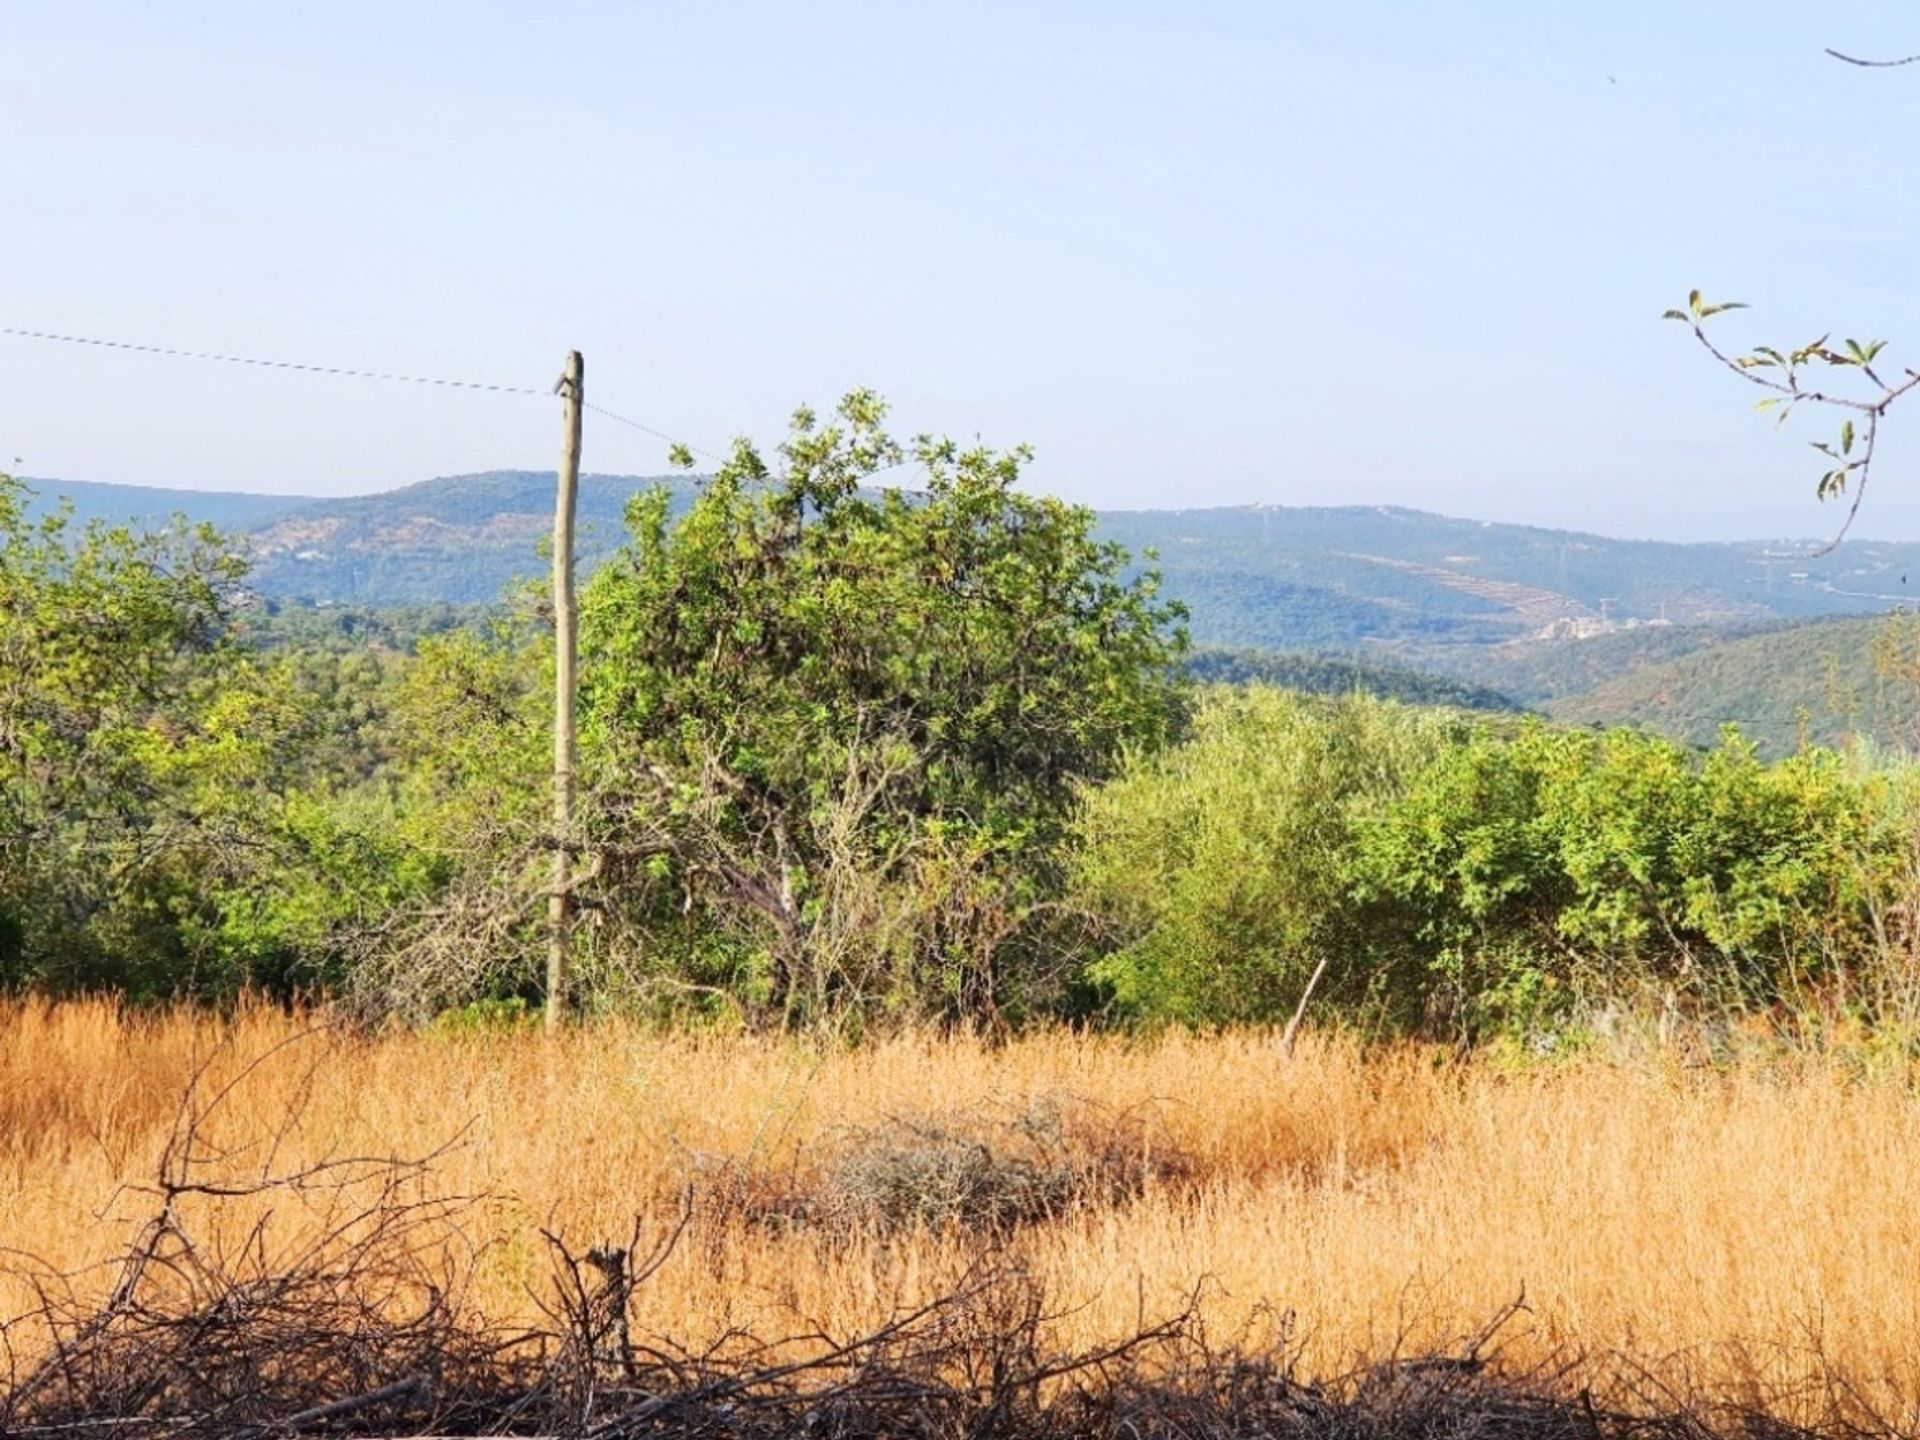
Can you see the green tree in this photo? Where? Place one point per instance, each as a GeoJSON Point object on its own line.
{"type": "Point", "coordinates": [110, 644]}
{"type": "Point", "coordinates": [838, 734]}
{"type": "Point", "coordinates": [1558, 867]}
{"type": "Point", "coordinates": [437, 871]}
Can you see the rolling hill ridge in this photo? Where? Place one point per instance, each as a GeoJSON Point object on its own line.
{"type": "Point", "coordinates": [1680, 637]}
{"type": "Point", "coordinates": [1329, 577]}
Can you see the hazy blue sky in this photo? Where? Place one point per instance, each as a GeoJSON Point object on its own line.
{"type": "Point", "coordinates": [1197, 253]}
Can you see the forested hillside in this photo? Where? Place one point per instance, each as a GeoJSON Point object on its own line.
{"type": "Point", "coordinates": [1680, 638]}
{"type": "Point", "coordinates": [1313, 674]}
{"type": "Point", "coordinates": [1821, 683]}
{"type": "Point", "coordinates": [1539, 670]}
{"type": "Point", "coordinates": [1336, 579]}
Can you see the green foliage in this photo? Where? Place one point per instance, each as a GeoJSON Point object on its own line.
{"type": "Point", "coordinates": [1540, 672]}
{"type": "Point", "coordinates": [1339, 675]}
{"type": "Point", "coordinates": [831, 711]}
{"type": "Point", "coordinates": [832, 740]}
{"type": "Point", "coordinates": [1559, 866]}
{"type": "Point", "coordinates": [1476, 876]}
{"type": "Point", "coordinates": [109, 649]}
{"type": "Point", "coordinates": [1817, 375]}
{"type": "Point", "coordinates": [851, 755]}
{"type": "Point", "coordinates": [1223, 869]}
{"type": "Point", "coordinates": [359, 631]}
{"type": "Point", "coordinates": [1828, 683]}
{"type": "Point", "coordinates": [486, 1018]}
{"type": "Point", "coordinates": [181, 812]}
{"type": "Point", "coordinates": [438, 866]}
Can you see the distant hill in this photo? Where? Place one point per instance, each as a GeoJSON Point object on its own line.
{"type": "Point", "coordinates": [1679, 638]}
{"type": "Point", "coordinates": [463, 538]}
{"type": "Point", "coordinates": [1441, 593]}
{"type": "Point", "coordinates": [1445, 581]}
{"type": "Point", "coordinates": [1534, 671]}
{"type": "Point", "coordinates": [144, 504]}
{"type": "Point", "coordinates": [1822, 682]}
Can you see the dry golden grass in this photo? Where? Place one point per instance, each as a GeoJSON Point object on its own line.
{"type": "Point", "coordinates": [1729, 1224]}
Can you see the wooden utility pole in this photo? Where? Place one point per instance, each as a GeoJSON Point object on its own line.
{"type": "Point", "coordinates": [572, 390]}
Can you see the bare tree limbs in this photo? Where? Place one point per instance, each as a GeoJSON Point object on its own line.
{"type": "Point", "coordinates": [1872, 64]}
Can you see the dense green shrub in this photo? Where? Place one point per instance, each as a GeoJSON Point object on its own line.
{"type": "Point", "coordinates": [847, 728]}
{"type": "Point", "coordinates": [853, 756]}
{"type": "Point", "coordinates": [1222, 871]}
{"type": "Point", "coordinates": [183, 813]}
{"type": "Point", "coordinates": [831, 741]}
{"type": "Point", "coordinates": [1557, 866]}
{"type": "Point", "coordinates": [109, 653]}
{"type": "Point", "coordinates": [1471, 875]}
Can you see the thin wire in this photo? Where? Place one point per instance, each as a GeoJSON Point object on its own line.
{"type": "Point", "coordinates": [347, 372]}
{"type": "Point", "coordinates": [1872, 64]}
{"type": "Point", "coordinates": [269, 364]}
{"type": "Point", "coordinates": [646, 429]}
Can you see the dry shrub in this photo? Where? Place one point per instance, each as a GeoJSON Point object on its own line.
{"type": "Point", "coordinates": [980, 1172]}
{"type": "Point", "coordinates": [256, 1294]}
{"type": "Point", "coordinates": [990, 1169]}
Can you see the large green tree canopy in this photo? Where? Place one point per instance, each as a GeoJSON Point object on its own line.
{"type": "Point", "coordinates": [802, 679]}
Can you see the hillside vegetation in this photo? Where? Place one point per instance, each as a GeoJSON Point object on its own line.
{"type": "Point", "coordinates": [1824, 683]}
{"type": "Point", "coordinates": [852, 758]}
{"type": "Point", "coordinates": [987, 1015]}
{"type": "Point", "coordinates": [1317, 674]}
{"type": "Point", "coordinates": [1538, 670]}
{"type": "Point", "coordinates": [1392, 602]}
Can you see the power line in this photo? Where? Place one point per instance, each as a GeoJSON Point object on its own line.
{"type": "Point", "coordinates": [340, 370]}
{"type": "Point", "coordinates": [347, 372]}
{"type": "Point", "coordinates": [176, 353]}
{"type": "Point", "coordinates": [646, 429]}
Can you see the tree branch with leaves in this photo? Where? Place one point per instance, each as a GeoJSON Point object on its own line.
{"type": "Point", "coordinates": [1848, 378]}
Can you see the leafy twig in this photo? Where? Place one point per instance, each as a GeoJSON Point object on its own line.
{"type": "Point", "coordinates": [1781, 373]}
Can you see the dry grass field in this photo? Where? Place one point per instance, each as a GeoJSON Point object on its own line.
{"type": "Point", "coordinates": [1723, 1227]}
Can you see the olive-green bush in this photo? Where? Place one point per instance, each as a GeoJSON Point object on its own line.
{"type": "Point", "coordinates": [1222, 872]}
{"type": "Point", "coordinates": [1465, 876]}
